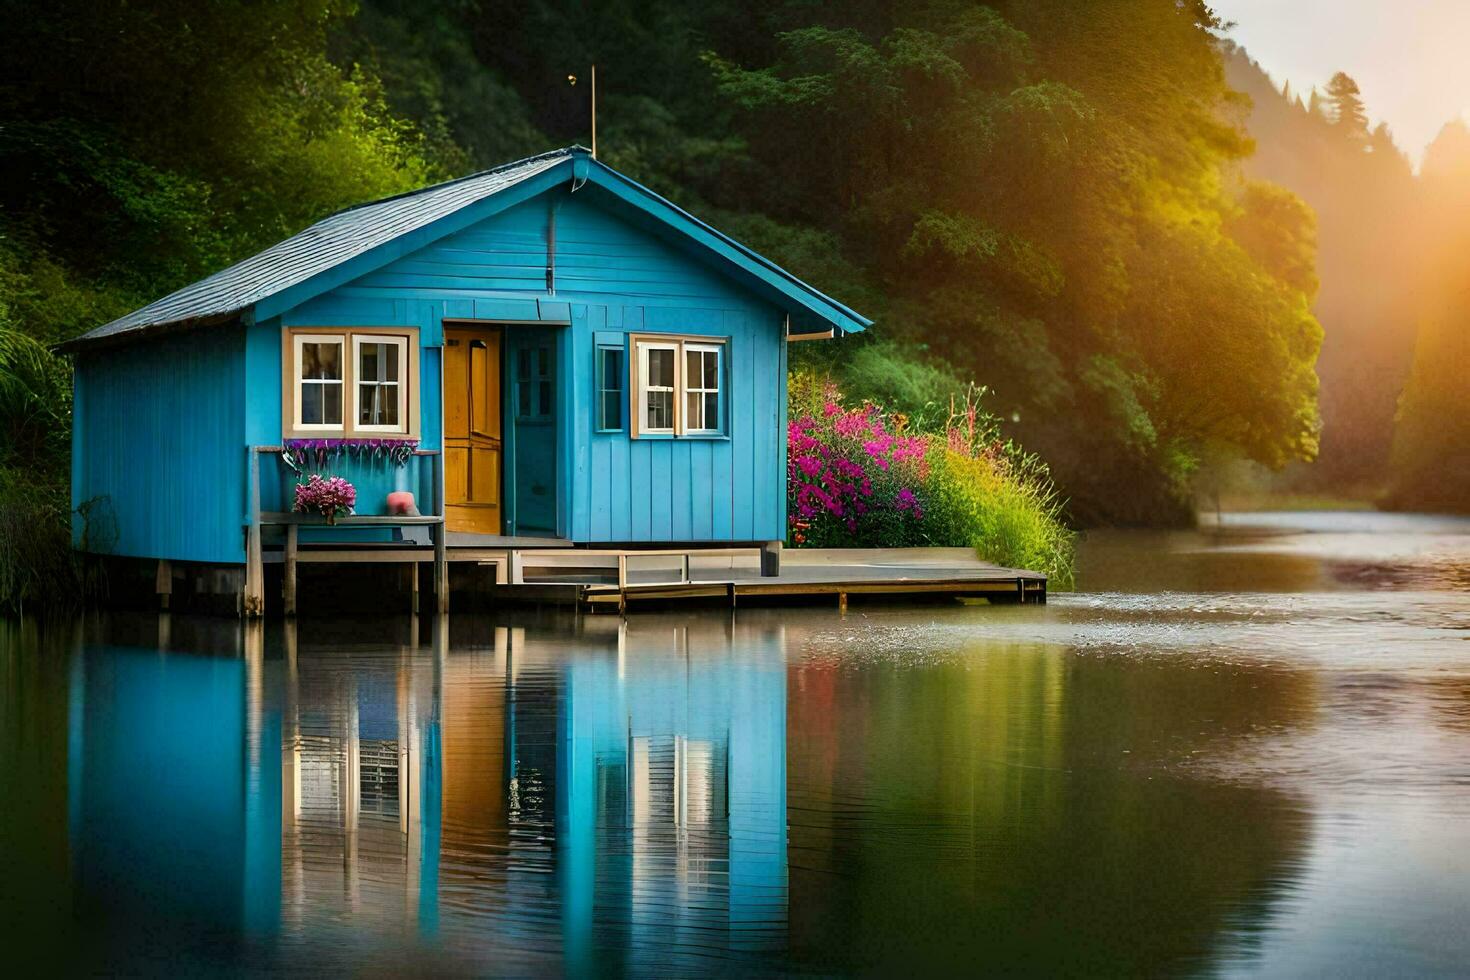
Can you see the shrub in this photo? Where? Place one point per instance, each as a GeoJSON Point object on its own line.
{"type": "Point", "coordinates": [38, 570]}
{"type": "Point", "coordinates": [857, 477]}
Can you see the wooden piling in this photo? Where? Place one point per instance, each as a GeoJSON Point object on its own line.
{"type": "Point", "coordinates": [253, 599]}
{"type": "Point", "coordinates": [163, 583]}
{"type": "Point", "coordinates": [288, 583]}
{"type": "Point", "coordinates": [439, 532]}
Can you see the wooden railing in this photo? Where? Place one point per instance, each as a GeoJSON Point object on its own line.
{"type": "Point", "coordinates": [256, 520]}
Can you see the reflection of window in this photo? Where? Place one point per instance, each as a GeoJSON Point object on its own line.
{"type": "Point", "coordinates": [345, 382]}
{"type": "Point", "coordinates": [678, 387]}
{"type": "Point", "coordinates": [318, 382]}
{"type": "Point", "coordinates": [609, 388]}
{"type": "Point", "coordinates": [381, 395]}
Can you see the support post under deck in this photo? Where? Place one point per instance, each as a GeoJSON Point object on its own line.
{"type": "Point", "coordinates": [288, 584]}
{"type": "Point", "coordinates": [440, 532]}
{"type": "Point", "coordinates": [253, 605]}
{"type": "Point", "coordinates": [771, 559]}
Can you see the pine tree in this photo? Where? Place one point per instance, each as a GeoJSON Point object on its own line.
{"type": "Point", "coordinates": [1314, 104]}
{"type": "Point", "coordinates": [1348, 114]}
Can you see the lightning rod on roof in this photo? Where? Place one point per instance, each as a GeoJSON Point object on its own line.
{"type": "Point", "coordinates": [572, 80]}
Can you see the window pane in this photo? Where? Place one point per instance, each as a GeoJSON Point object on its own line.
{"type": "Point", "coordinates": [660, 410]}
{"type": "Point", "coordinates": [693, 413]}
{"type": "Point", "coordinates": [612, 410]}
{"type": "Point", "coordinates": [523, 363]}
{"type": "Point", "coordinates": [692, 370]}
{"type": "Point", "coordinates": [612, 370]}
{"type": "Point", "coordinates": [377, 404]}
{"type": "Point", "coordinates": [712, 411]}
{"type": "Point", "coordinates": [543, 361]}
{"type": "Point", "coordinates": [544, 406]}
{"type": "Point", "coordinates": [389, 354]}
{"type": "Point", "coordinates": [388, 398]}
{"type": "Point", "coordinates": [368, 361]}
{"type": "Point", "coordinates": [311, 404]}
{"type": "Point", "coordinates": [661, 368]}
{"type": "Point", "coordinates": [711, 369]}
{"type": "Point", "coordinates": [333, 409]}
{"type": "Point", "coordinates": [321, 360]}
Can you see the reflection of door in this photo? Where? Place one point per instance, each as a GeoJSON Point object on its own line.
{"type": "Point", "coordinates": [472, 429]}
{"type": "Point", "coordinates": [531, 354]}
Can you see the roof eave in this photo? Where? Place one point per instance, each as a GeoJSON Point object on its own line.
{"type": "Point", "coordinates": [842, 318]}
{"type": "Point", "coordinates": [147, 332]}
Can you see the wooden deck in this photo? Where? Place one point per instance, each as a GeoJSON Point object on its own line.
{"type": "Point", "coordinates": [521, 569]}
{"type": "Point", "coordinates": [830, 574]}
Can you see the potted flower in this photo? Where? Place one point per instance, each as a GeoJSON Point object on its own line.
{"type": "Point", "coordinates": [332, 497]}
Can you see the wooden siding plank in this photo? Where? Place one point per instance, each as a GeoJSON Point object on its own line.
{"type": "Point", "coordinates": [702, 490]}
{"type": "Point", "coordinates": [640, 490]}
{"type": "Point", "coordinates": [162, 438]}
{"type": "Point", "coordinates": [681, 508]}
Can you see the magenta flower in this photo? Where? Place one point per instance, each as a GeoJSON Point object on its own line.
{"type": "Point", "coordinates": [332, 497]}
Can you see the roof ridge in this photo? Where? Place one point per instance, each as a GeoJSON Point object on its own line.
{"type": "Point", "coordinates": [534, 158]}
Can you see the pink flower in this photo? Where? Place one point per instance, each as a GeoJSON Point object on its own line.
{"type": "Point", "coordinates": [905, 499]}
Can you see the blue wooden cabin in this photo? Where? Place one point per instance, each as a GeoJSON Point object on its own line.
{"type": "Point", "coordinates": [555, 352]}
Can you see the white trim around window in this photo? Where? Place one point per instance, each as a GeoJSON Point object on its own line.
{"type": "Point", "coordinates": [703, 373]}
{"type": "Point", "coordinates": [380, 383]}
{"type": "Point", "coordinates": [318, 376]}
{"type": "Point", "coordinates": [658, 386]}
{"type": "Point", "coordinates": [677, 386]}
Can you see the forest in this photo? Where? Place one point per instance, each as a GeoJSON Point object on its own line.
{"type": "Point", "coordinates": [1101, 212]}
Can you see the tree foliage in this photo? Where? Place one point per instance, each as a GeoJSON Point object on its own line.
{"type": "Point", "coordinates": [1041, 197]}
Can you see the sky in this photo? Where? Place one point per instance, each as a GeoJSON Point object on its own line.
{"type": "Point", "coordinates": [1408, 56]}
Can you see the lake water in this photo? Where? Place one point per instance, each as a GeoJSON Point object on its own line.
{"type": "Point", "coordinates": [1238, 751]}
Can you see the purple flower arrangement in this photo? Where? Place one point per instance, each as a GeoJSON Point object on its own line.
{"type": "Point", "coordinates": [331, 497]}
{"type": "Point", "coordinates": [850, 479]}
{"type": "Point", "coordinates": [304, 454]}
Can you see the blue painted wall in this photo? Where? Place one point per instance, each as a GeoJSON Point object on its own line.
{"type": "Point", "coordinates": [158, 444]}
{"type": "Point", "coordinates": [162, 425]}
{"type": "Point", "coordinates": [613, 272]}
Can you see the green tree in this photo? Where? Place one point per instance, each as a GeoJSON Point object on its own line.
{"type": "Point", "coordinates": [1346, 106]}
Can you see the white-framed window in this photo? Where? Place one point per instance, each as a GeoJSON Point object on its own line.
{"type": "Point", "coordinates": [678, 386]}
{"type": "Point", "coordinates": [702, 388]}
{"type": "Point", "coordinates": [318, 380]}
{"type": "Point", "coordinates": [380, 395]}
{"type": "Point", "coordinates": [658, 370]}
{"type": "Point", "coordinates": [349, 382]}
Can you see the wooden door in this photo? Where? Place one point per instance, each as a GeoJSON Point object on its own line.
{"type": "Point", "coordinates": [472, 430]}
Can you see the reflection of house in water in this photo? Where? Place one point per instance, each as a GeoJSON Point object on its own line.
{"type": "Point", "coordinates": [351, 787]}
{"type": "Point", "coordinates": [527, 800]}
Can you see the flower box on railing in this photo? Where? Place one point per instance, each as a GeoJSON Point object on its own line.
{"type": "Point", "coordinates": [317, 454]}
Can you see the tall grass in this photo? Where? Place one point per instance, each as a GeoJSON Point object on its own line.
{"type": "Point", "coordinates": [38, 569]}
{"type": "Point", "coordinates": [860, 477]}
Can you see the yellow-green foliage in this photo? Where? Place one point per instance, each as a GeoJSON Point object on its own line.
{"type": "Point", "coordinates": [970, 489]}
{"type": "Point", "coordinates": [1009, 518]}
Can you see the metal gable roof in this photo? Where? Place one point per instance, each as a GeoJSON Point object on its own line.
{"type": "Point", "coordinates": [321, 246]}
{"type": "Point", "coordinates": [364, 227]}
